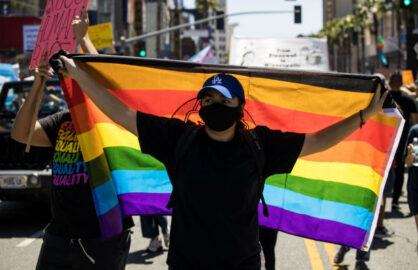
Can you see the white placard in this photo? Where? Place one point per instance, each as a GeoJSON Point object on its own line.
{"type": "Point", "coordinates": [30, 32]}
{"type": "Point", "coordinates": [279, 53]}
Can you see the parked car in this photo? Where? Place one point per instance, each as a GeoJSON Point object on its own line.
{"type": "Point", "coordinates": [25, 176]}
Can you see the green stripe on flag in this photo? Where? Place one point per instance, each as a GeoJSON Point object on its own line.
{"type": "Point", "coordinates": [126, 158]}
{"type": "Point", "coordinates": [325, 190]}
{"type": "Point", "coordinates": [98, 171]}
{"type": "Point", "coordinates": [119, 158]}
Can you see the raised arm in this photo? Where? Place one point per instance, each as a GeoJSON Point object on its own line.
{"type": "Point", "coordinates": [80, 28]}
{"type": "Point", "coordinates": [115, 109]}
{"type": "Point", "coordinates": [327, 137]}
{"type": "Point", "coordinates": [21, 126]}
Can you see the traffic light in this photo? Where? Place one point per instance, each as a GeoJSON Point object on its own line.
{"type": "Point", "coordinates": [406, 3]}
{"type": "Point", "coordinates": [298, 14]}
{"type": "Point", "coordinates": [220, 21]}
{"type": "Point", "coordinates": [142, 48]}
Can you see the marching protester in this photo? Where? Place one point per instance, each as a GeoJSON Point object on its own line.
{"type": "Point", "coordinates": [410, 112]}
{"type": "Point", "coordinates": [72, 239]}
{"type": "Point", "coordinates": [149, 228]}
{"type": "Point", "coordinates": [361, 257]}
{"type": "Point", "coordinates": [216, 184]}
{"type": "Point", "coordinates": [412, 185]}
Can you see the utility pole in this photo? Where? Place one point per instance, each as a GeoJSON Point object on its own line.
{"type": "Point", "coordinates": [138, 25]}
{"type": "Point", "coordinates": [176, 42]}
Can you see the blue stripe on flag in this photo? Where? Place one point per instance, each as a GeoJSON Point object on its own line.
{"type": "Point", "coordinates": [295, 202]}
{"type": "Point", "coordinates": [105, 197]}
{"type": "Point", "coordinates": [141, 181]}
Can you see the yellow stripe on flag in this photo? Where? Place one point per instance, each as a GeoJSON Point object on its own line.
{"type": "Point", "coordinates": [307, 98]}
{"type": "Point", "coordinates": [387, 120]}
{"type": "Point", "coordinates": [346, 173]}
{"type": "Point", "coordinates": [126, 77]}
{"type": "Point", "coordinates": [106, 135]}
{"type": "Point", "coordinates": [90, 145]}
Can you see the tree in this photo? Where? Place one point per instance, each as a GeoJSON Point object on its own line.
{"type": "Point", "coordinates": [375, 8]}
{"type": "Point", "coordinates": [362, 23]}
{"type": "Point", "coordinates": [203, 6]}
{"type": "Point", "coordinates": [397, 10]}
{"type": "Point", "coordinates": [341, 32]}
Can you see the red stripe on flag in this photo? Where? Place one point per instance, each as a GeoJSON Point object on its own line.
{"type": "Point", "coordinates": [304, 122]}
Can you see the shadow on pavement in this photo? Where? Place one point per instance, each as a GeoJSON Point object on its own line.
{"type": "Point", "coordinates": [394, 214]}
{"type": "Point", "coordinates": [379, 243]}
{"type": "Point", "coordinates": [340, 266]}
{"type": "Point", "coordinates": [143, 256]}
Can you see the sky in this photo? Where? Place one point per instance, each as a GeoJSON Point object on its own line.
{"type": "Point", "coordinates": [273, 25]}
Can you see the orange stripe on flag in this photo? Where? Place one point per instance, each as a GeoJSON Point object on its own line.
{"type": "Point", "coordinates": [356, 152]}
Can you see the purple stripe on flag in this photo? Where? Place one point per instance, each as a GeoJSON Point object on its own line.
{"type": "Point", "coordinates": [314, 228]}
{"type": "Point", "coordinates": [144, 203]}
{"type": "Point", "coordinates": [111, 223]}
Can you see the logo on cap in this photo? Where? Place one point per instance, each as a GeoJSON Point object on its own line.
{"type": "Point", "coordinates": [217, 80]}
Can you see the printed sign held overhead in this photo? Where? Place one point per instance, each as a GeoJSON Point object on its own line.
{"type": "Point", "coordinates": [55, 32]}
{"type": "Point", "coordinates": [290, 53]}
{"type": "Point", "coordinates": [101, 35]}
{"type": "Point", "coordinates": [407, 77]}
{"type": "Point", "coordinates": [29, 37]}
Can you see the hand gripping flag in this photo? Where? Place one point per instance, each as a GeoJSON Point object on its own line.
{"type": "Point", "coordinates": [331, 196]}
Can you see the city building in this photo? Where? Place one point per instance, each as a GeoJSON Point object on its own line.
{"type": "Point", "coordinates": [219, 33]}
{"type": "Point", "coordinates": [358, 52]}
{"type": "Point", "coordinates": [133, 18]}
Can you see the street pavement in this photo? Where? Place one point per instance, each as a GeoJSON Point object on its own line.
{"type": "Point", "coordinates": [20, 240]}
{"type": "Point", "coordinates": [398, 252]}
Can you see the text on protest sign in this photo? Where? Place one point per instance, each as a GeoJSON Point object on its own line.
{"type": "Point", "coordinates": [101, 35]}
{"type": "Point", "coordinates": [55, 32]}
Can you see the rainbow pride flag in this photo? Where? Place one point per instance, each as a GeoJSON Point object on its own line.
{"type": "Point", "coordinates": [202, 55]}
{"type": "Point", "coordinates": [331, 196]}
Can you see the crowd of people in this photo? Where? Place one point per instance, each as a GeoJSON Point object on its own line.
{"type": "Point", "coordinates": [407, 102]}
{"type": "Point", "coordinates": [72, 238]}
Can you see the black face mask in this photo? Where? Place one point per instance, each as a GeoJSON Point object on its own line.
{"type": "Point", "coordinates": [219, 117]}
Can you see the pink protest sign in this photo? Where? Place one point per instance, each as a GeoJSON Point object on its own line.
{"type": "Point", "coordinates": [55, 32]}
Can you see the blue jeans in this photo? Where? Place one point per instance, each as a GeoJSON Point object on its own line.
{"type": "Point", "coordinates": [149, 225]}
{"type": "Point", "coordinates": [412, 188]}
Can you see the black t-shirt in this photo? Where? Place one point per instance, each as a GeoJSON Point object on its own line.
{"type": "Point", "coordinates": [72, 207]}
{"type": "Point", "coordinates": [215, 216]}
{"type": "Point", "coordinates": [408, 106]}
